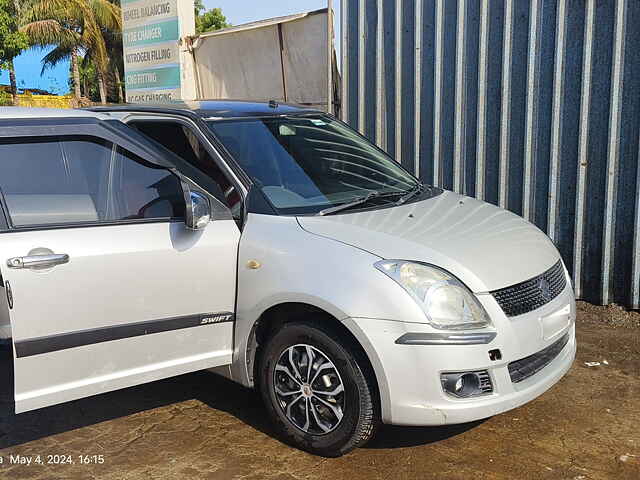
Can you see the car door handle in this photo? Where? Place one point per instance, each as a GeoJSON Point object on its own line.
{"type": "Point", "coordinates": [38, 261]}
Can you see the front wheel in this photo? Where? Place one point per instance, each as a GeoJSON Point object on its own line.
{"type": "Point", "coordinates": [317, 390]}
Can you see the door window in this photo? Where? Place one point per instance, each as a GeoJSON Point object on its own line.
{"type": "Point", "coordinates": [143, 190]}
{"type": "Point", "coordinates": [183, 142]}
{"type": "Point", "coordinates": [83, 180]}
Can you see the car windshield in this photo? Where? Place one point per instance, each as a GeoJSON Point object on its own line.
{"type": "Point", "coordinates": [311, 164]}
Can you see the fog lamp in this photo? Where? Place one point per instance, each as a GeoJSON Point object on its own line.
{"type": "Point", "coordinates": [467, 384]}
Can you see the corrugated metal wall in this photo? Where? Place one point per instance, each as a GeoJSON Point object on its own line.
{"type": "Point", "coordinates": [533, 105]}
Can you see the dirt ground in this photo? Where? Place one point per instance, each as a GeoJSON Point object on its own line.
{"type": "Point", "coordinates": [202, 426]}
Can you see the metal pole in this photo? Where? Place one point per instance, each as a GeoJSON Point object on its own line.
{"type": "Point", "coordinates": [330, 108]}
{"type": "Point", "coordinates": [284, 75]}
{"type": "Point", "coordinates": [345, 47]}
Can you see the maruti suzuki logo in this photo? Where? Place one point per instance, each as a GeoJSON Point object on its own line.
{"type": "Point", "coordinates": [545, 288]}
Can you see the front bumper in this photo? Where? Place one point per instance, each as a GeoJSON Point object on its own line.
{"type": "Point", "coordinates": [409, 375]}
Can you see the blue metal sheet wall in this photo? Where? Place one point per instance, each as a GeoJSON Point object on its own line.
{"type": "Point", "coordinates": [533, 105]}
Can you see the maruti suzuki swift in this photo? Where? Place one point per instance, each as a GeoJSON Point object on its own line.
{"type": "Point", "coordinates": [274, 245]}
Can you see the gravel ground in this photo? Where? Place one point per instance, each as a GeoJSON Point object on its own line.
{"type": "Point", "coordinates": [202, 426]}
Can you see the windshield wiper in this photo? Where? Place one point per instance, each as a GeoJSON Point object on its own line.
{"type": "Point", "coordinates": [412, 193]}
{"type": "Point", "coordinates": [353, 203]}
{"type": "Point", "coordinates": [371, 195]}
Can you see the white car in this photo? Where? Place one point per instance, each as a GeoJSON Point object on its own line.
{"type": "Point", "coordinates": [275, 246]}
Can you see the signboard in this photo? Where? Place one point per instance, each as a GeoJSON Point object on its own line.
{"type": "Point", "coordinates": [152, 57]}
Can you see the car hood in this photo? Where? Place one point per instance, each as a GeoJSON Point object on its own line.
{"type": "Point", "coordinates": [484, 246]}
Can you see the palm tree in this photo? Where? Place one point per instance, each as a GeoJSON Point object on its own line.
{"type": "Point", "coordinates": [12, 42]}
{"type": "Point", "coordinates": [72, 26]}
{"type": "Point", "coordinates": [113, 83]}
{"type": "Point", "coordinates": [68, 41]}
{"type": "Point", "coordinates": [12, 67]}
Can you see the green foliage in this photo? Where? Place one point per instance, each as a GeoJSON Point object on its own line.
{"type": "Point", "coordinates": [72, 24]}
{"type": "Point", "coordinates": [12, 41]}
{"type": "Point", "coordinates": [210, 20]}
{"type": "Point", "coordinates": [88, 79]}
{"type": "Point", "coordinates": [5, 99]}
{"type": "Point", "coordinates": [90, 26]}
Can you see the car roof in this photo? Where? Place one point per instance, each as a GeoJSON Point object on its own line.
{"type": "Point", "coordinates": [216, 109]}
{"type": "Point", "coordinates": [7, 113]}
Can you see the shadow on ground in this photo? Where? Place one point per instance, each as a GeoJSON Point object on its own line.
{"type": "Point", "coordinates": [210, 389]}
{"type": "Point", "coordinates": [390, 436]}
{"type": "Point", "coordinates": [216, 392]}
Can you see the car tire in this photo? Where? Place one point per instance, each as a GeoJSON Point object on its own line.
{"type": "Point", "coordinates": [333, 413]}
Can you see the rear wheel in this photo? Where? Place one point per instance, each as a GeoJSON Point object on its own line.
{"type": "Point", "coordinates": [316, 389]}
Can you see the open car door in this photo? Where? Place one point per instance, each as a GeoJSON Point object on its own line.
{"type": "Point", "coordinates": [106, 287]}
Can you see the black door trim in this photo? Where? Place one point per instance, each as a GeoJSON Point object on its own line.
{"type": "Point", "coordinates": [63, 341]}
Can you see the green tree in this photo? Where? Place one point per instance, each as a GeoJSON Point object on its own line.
{"type": "Point", "coordinates": [73, 26]}
{"type": "Point", "coordinates": [113, 39]}
{"type": "Point", "coordinates": [88, 77]}
{"type": "Point", "coordinates": [12, 42]}
{"type": "Point", "coordinates": [198, 5]}
{"type": "Point", "coordinates": [57, 30]}
{"type": "Point", "coordinates": [209, 20]}
{"type": "Point", "coordinates": [5, 99]}
{"type": "Point", "coordinates": [85, 80]}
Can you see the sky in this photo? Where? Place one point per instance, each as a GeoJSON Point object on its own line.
{"type": "Point", "coordinates": [28, 69]}
{"type": "Point", "coordinates": [28, 64]}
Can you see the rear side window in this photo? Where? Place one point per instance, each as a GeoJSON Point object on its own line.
{"type": "Point", "coordinates": [29, 167]}
{"type": "Point", "coordinates": [83, 180]}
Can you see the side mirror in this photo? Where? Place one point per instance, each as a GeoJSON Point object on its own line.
{"type": "Point", "coordinates": [198, 209]}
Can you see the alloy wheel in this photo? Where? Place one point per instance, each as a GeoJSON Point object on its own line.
{"type": "Point", "coordinates": [309, 389]}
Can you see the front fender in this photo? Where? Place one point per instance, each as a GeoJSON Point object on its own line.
{"type": "Point", "coordinates": [279, 262]}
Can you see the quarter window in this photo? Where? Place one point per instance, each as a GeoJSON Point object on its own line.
{"type": "Point", "coordinates": [83, 180]}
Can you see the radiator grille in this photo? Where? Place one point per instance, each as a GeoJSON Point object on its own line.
{"type": "Point", "coordinates": [524, 368]}
{"type": "Point", "coordinates": [531, 294]}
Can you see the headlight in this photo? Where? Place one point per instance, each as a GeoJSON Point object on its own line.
{"type": "Point", "coordinates": [446, 302]}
